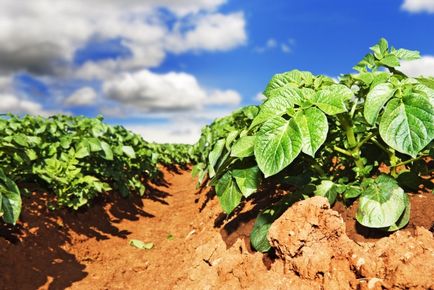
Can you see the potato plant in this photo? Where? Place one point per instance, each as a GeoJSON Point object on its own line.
{"type": "Point", "coordinates": [329, 137]}
{"type": "Point", "coordinates": [76, 158]}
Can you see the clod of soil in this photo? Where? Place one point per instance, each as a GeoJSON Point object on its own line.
{"type": "Point", "coordinates": [311, 240]}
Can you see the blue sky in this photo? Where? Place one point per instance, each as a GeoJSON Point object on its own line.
{"type": "Point", "coordinates": [165, 68]}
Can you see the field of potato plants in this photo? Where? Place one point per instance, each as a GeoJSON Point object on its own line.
{"type": "Point", "coordinates": [328, 184]}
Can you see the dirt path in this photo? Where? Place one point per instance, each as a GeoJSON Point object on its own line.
{"type": "Point", "coordinates": [195, 246]}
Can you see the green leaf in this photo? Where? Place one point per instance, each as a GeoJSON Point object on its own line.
{"type": "Point", "coordinates": [375, 101]}
{"type": "Point", "coordinates": [258, 236]}
{"type": "Point", "coordinates": [94, 144]}
{"type": "Point", "coordinates": [314, 127]}
{"type": "Point", "coordinates": [327, 189]}
{"type": "Point", "coordinates": [278, 142]}
{"type": "Point", "coordinates": [247, 179]}
{"type": "Point", "coordinates": [31, 154]}
{"type": "Point", "coordinates": [407, 124]}
{"type": "Point", "coordinates": [141, 245]}
{"type": "Point", "coordinates": [214, 156]}
{"type": "Point", "coordinates": [243, 147]}
{"type": "Point", "coordinates": [228, 193]}
{"type": "Point", "coordinates": [405, 217]}
{"type": "Point", "coordinates": [281, 84]}
{"type": "Point", "coordinates": [380, 48]}
{"type": "Point", "coordinates": [82, 151]}
{"type": "Point", "coordinates": [274, 107]}
{"type": "Point", "coordinates": [331, 99]}
{"type": "Point", "coordinates": [390, 61]}
{"type": "Point", "coordinates": [230, 138]}
{"type": "Point", "coordinates": [406, 54]}
{"type": "Point", "coordinates": [129, 151]}
{"type": "Point", "coordinates": [20, 139]}
{"type": "Point", "coordinates": [10, 198]}
{"type": "Point", "coordinates": [352, 192]}
{"type": "Point", "coordinates": [107, 150]}
{"type": "Point", "coordinates": [381, 203]}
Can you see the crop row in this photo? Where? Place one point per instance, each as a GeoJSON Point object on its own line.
{"type": "Point", "coordinates": [76, 158]}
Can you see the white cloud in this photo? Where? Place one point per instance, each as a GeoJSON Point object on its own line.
{"type": "Point", "coordinates": [173, 132]}
{"type": "Point", "coordinates": [419, 67]}
{"type": "Point", "coordinates": [42, 37]}
{"type": "Point", "coordinates": [82, 97]}
{"type": "Point", "coordinates": [227, 97]}
{"type": "Point", "coordinates": [415, 6]}
{"type": "Point", "coordinates": [211, 32]}
{"type": "Point", "coordinates": [173, 91]}
{"type": "Point", "coordinates": [285, 47]}
{"type": "Point", "coordinates": [15, 105]}
{"type": "Point", "coordinates": [260, 97]}
{"type": "Point", "coordinates": [270, 44]}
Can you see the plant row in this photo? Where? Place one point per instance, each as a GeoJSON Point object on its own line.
{"type": "Point", "coordinates": [76, 158]}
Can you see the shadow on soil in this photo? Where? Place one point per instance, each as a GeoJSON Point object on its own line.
{"type": "Point", "coordinates": [34, 252]}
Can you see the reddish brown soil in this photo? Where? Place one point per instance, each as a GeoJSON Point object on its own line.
{"type": "Point", "coordinates": [197, 247]}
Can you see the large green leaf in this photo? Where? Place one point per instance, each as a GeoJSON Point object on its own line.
{"type": "Point", "coordinates": [214, 156]}
{"type": "Point", "coordinates": [407, 124]}
{"type": "Point", "coordinates": [313, 127]}
{"type": "Point", "coordinates": [247, 179]}
{"type": "Point", "coordinates": [406, 54]}
{"type": "Point", "coordinates": [10, 198]}
{"type": "Point", "coordinates": [280, 84]}
{"type": "Point", "coordinates": [390, 60]}
{"type": "Point", "coordinates": [375, 101]}
{"type": "Point", "coordinates": [278, 142]}
{"type": "Point", "coordinates": [273, 107]}
{"type": "Point", "coordinates": [243, 147]}
{"type": "Point", "coordinates": [129, 151]}
{"type": "Point", "coordinates": [382, 202]}
{"type": "Point", "coordinates": [405, 217]}
{"type": "Point", "coordinates": [108, 153]}
{"type": "Point", "coordinates": [331, 99]}
{"type": "Point", "coordinates": [228, 193]}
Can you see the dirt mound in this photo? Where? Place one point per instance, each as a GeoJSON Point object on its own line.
{"type": "Point", "coordinates": [311, 239]}
{"type": "Point", "coordinates": [198, 247]}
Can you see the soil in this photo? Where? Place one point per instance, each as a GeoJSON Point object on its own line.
{"type": "Point", "coordinates": [195, 246]}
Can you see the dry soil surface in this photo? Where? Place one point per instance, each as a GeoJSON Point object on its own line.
{"type": "Point", "coordinates": [195, 246]}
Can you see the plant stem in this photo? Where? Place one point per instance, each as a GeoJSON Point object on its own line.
{"type": "Point", "coordinates": [343, 151]}
{"type": "Point", "coordinates": [346, 125]}
{"type": "Point", "coordinates": [409, 161]}
{"type": "Point", "coordinates": [366, 139]}
{"type": "Point", "coordinates": [352, 142]}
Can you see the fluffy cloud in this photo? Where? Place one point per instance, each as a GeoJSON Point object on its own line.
{"type": "Point", "coordinates": [174, 132]}
{"type": "Point", "coordinates": [211, 32]}
{"type": "Point", "coordinates": [42, 38]}
{"type": "Point", "coordinates": [415, 6]}
{"type": "Point", "coordinates": [173, 91]}
{"type": "Point", "coordinates": [13, 104]}
{"type": "Point", "coordinates": [420, 67]}
{"type": "Point", "coordinates": [45, 38]}
{"type": "Point", "coordinates": [82, 97]}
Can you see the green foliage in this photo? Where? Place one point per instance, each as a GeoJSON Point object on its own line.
{"type": "Point", "coordinates": [382, 202]}
{"type": "Point", "coordinates": [10, 199]}
{"type": "Point", "coordinates": [77, 158]}
{"type": "Point", "coordinates": [327, 137]}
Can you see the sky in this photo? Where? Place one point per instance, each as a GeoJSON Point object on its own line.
{"type": "Point", "coordinates": [166, 68]}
